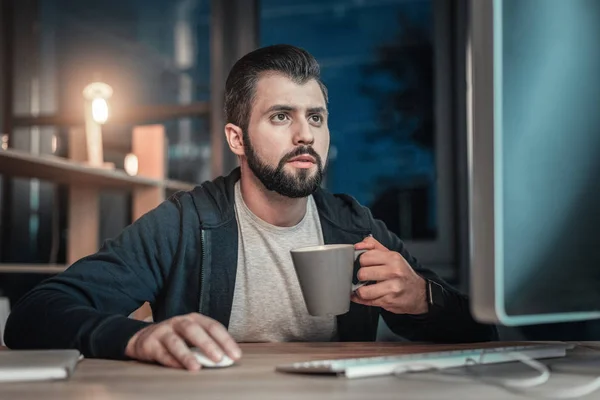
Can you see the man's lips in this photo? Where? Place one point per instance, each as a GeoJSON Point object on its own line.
{"type": "Point", "coordinates": [304, 159]}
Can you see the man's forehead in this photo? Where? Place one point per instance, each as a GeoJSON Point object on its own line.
{"type": "Point", "coordinates": [274, 89]}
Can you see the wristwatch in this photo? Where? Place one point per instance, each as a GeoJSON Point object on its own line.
{"type": "Point", "coordinates": [435, 294]}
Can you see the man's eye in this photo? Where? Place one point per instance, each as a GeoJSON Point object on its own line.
{"type": "Point", "coordinates": [316, 118]}
{"type": "Point", "coordinates": [279, 117]}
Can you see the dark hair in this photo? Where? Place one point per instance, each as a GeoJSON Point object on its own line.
{"type": "Point", "coordinates": [290, 61]}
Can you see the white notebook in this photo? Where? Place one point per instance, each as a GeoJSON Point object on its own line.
{"type": "Point", "coordinates": [37, 365]}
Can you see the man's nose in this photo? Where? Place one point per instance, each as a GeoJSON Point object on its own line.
{"type": "Point", "coordinates": [303, 133]}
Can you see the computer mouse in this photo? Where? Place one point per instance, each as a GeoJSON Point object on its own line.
{"type": "Point", "coordinates": [206, 362]}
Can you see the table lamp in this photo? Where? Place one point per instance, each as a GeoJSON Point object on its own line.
{"type": "Point", "coordinates": [96, 96]}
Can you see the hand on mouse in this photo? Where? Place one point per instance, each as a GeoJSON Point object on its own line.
{"type": "Point", "coordinates": [169, 342]}
{"type": "Point", "coordinates": [399, 289]}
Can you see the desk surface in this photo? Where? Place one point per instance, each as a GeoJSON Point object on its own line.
{"type": "Point", "coordinates": [255, 378]}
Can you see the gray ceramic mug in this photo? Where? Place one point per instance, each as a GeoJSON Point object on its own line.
{"type": "Point", "coordinates": [325, 276]}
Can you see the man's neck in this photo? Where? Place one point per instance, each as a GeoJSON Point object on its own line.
{"type": "Point", "coordinates": [269, 206]}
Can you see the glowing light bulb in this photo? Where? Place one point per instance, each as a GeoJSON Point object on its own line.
{"type": "Point", "coordinates": [131, 164]}
{"type": "Point", "coordinates": [100, 110]}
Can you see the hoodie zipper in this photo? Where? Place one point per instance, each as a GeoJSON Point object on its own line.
{"type": "Point", "coordinates": [203, 258]}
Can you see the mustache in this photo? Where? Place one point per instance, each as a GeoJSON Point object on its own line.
{"type": "Point", "coordinates": [300, 151]}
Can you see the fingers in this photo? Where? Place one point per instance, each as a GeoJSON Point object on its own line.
{"type": "Point", "coordinates": [377, 273]}
{"type": "Point", "coordinates": [220, 335]}
{"type": "Point", "coordinates": [164, 357]}
{"type": "Point", "coordinates": [358, 300]}
{"type": "Point", "coordinates": [369, 243]}
{"type": "Point", "coordinates": [381, 257]}
{"type": "Point", "coordinates": [196, 336]}
{"type": "Point", "coordinates": [378, 290]}
{"type": "Point", "coordinates": [179, 350]}
{"type": "Point", "coordinates": [169, 342]}
{"type": "Point", "coordinates": [380, 302]}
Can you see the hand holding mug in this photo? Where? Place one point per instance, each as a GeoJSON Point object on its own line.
{"type": "Point", "coordinates": [397, 288]}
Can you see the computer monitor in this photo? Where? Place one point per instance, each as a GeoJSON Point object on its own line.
{"type": "Point", "coordinates": [533, 73]}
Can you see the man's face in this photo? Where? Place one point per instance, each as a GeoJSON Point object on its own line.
{"type": "Point", "coordinates": [287, 140]}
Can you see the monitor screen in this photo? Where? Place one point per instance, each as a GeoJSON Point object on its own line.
{"type": "Point", "coordinates": [544, 143]}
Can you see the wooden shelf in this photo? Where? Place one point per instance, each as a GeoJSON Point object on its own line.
{"type": "Point", "coordinates": [32, 268]}
{"type": "Point", "coordinates": [21, 164]}
{"type": "Point", "coordinates": [85, 182]}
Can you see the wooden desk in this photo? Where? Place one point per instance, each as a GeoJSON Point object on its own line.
{"type": "Point", "coordinates": [255, 378]}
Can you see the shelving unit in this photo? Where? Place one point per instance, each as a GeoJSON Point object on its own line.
{"type": "Point", "coordinates": [85, 182]}
{"type": "Point", "coordinates": [32, 268]}
{"type": "Point", "coordinates": [59, 170]}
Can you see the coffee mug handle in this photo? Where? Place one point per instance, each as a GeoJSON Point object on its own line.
{"type": "Point", "coordinates": [355, 286]}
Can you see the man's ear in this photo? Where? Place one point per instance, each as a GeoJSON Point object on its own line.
{"type": "Point", "coordinates": [235, 139]}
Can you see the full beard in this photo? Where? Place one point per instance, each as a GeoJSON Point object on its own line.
{"type": "Point", "coordinates": [302, 183]}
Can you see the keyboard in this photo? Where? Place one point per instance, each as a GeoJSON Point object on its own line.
{"type": "Point", "coordinates": [375, 366]}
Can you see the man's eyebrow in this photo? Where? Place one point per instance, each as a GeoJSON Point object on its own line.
{"type": "Point", "coordinates": [280, 107]}
{"type": "Point", "coordinates": [317, 110]}
{"type": "Point", "coordinates": [288, 108]}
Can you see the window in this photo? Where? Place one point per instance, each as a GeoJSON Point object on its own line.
{"type": "Point", "coordinates": [386, 67]}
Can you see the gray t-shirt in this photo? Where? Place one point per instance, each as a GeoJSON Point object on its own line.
{"type": "Point", "coordinates": [268, 305]}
